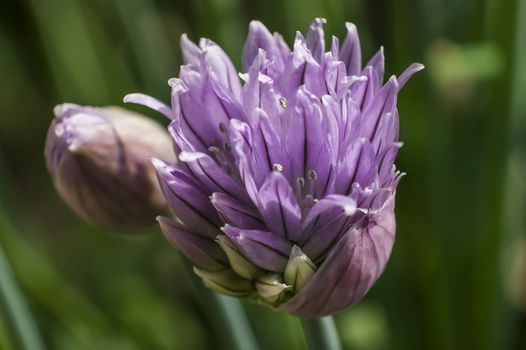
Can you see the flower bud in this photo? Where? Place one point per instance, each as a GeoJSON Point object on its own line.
{"type": "Point", "coordinates": [99, 161]}
{"type": "Point", "coordinates": [272, 289]}
{"type": "Point", "coordinates": [238, 262]}
{"type": "Point", "coordinates": [299, 269]}
{"type": "Point", "coordinates": [226, 281]}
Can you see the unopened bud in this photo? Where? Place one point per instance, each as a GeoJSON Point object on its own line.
{"type": "Point", "coordinates": [271, 288]}
{"type": "Point", "coordinates": [99, 160]}
{"type": "Point", "coordinates": [238, 263]}
{"type": "Point", "coordinates": [299, 269]}
{"type": "Point", "coordinates": [226, 281]}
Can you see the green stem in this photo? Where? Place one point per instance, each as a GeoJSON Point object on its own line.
{"type": "Point", "coordinates": [236, 323]}
{"type": "Point", "coordinates": [18, 318]}
{"type": "Point", "coordinates": [321, 333]}
{"type": "Point", "coordinates": [229, 319]}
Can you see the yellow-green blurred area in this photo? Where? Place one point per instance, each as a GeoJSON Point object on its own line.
{"type": "Point", "coordinates": [457, 276]}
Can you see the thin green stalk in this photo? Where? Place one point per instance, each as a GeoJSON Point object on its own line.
{"type": "Point", "coordinates": [237, 324]}
{"type": "Point", "coordinates": [321, 333]}
{"type": "Point", "coordinates": [229, 319]}
{"type": "Point", "coordinates": [17, 315]}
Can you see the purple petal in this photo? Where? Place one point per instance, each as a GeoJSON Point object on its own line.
{"type": "Point", "coordinates": [363, 93]}
{"type": "Point", "coordinates": [268, 150]}
{"type": "Point", "coordinates": [221, 65]}
{"type": "Point", "coordinates": [191, 52]}
{"type": "Point", "coordinates": [189, 117]}
{"type": "Point", "coordinates": [203, 108]}
{"type": "Point", "coordinates": [349, 271]}
{"type": "Point", "coordinates": [305, 135]}
{"type": "Point", "coordinates": [336, 80]}
{"type": "Point", "coordinates": [386, 132]}
{"type": "Point", "coordinates": [279, 207]}
{"type": "Point", "coordinates": [408, 72]}
{"type": "Point", "coordinates": [203, 252]}
{"type": "Point", "coordinates": [358, 165]}
{"type": "Point", "coordinates": [316, 38]}
{"type": "Point", "coordinates": [187, 200]}
{"type": "Point", "coordinates": [300, 68]}
{"type": "Point", "coordinates": [384, 102]}
{"type": "Point", "coordinates": [241, 141]}
{"type": "Point", "coordinates": [326, 222]}
{"type": "Point", "coordinates": [236, 213]}
{"type": "Point", "coordinates": [386, 162]}
{"type": "Point", "coordinates": [350, 53]}
{"type": "Point", "coordinates": [210, 174]}
{"type": "Point", "coordinates": [258, 92]}
{"type": "Point", "coordinates": [264, 249]}
{"type": "Point", "coordinates": [259, 37]}
{"type": "Point", "coordinates": [150, 102]}
{"type": "Point", "coordinates": [378, 64]}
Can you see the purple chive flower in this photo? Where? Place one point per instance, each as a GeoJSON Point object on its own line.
{"type": "Point", "coordinates": [285, 191]}
{"type": "Point", "coordinates": [99, 161]}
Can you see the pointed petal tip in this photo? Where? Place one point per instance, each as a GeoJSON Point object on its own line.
{"type": "Point", "coordinates": [177, 84]}
{"type": "Point", "coordinates": [393, 80]}
{"type": "Point", "coordinates": [255, 26]}
{"type": "Point", "coordinates": [131, 98]}
{"type": "Point", "coordinates": [62, 108]}
{"type": "Point", "coordinates": [157, 163]}
{"type": "Point", "coordinates": [59, 109]}
{"type": "Point", "coordinates": [231, 232]}
{"type": "Point", "coordinates": [184, 37]}
{"type": "Point", "coordinates": [351, 28]}
{"type": "Point", "coordinates": [213, 198]}
{"type": "Point", "coordinates": [186, 156]}
{"type": "Point", "coordinates": [408, 72]}
{"type": "Point", "coordinates": [319, 21]}
{"type": "Point", "coordinates": [349, 208]}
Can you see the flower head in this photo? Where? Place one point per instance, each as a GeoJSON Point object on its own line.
{"type": "Point", "coordinates": [99, 160]}
{"type": "Point", "coordinates": [286, 189]}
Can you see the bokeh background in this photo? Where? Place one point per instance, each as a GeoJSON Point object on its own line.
{"type": "Point", "coordinates": [457, 277]}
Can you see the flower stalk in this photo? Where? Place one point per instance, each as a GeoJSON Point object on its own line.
{"type": "Point", "coordinates": [321, 333]}
{"type": "Point", "coordinates": [229, 319]}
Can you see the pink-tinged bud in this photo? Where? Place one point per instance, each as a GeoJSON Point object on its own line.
{"type": "Point", "coordinates": [99, 161]}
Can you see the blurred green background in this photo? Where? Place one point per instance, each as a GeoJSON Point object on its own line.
{"type": "Point", "coordinates": [457, 277]}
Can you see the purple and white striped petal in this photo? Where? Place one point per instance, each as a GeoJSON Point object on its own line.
{"type": "Point", "coordinates": [187, 199]}
{"type": "Point", "coordinates": [350, 52]}
{"type": "Point", "coordinates": [221, 65]}
{"type": "Point", "coordinates": [264, 249]}
{"type": "Point", "coordinates": [279, 207]}
{"type": "Point", "coordinates": [202, 251]}
{"type": "Point", "coordinates": [150, 102]}
{"type": "Point", "coordinates": [358, 165]}
{"type": "Point", "coordinates": [212, 176]}
{"type": "Point", "coordinates": [349, 271]}
{"type": "Point", "coordinates": [377, 62]}
{"type": "Point", "coordinates": [259, 37]}
{"type": "Point", "coordinates": [316, 38]}
{"type": "Point", "coordinates": [191, 52]}
{"type": "Point", "coordinates": [237, 213]}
